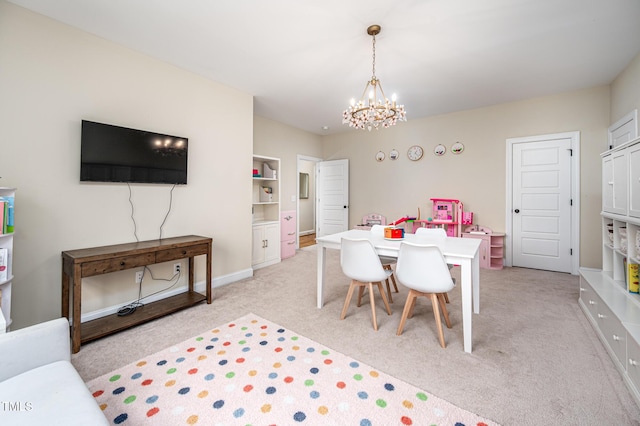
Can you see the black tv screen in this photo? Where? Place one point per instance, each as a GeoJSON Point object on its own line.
{"type": "Point", "coordinates": [111, 153]}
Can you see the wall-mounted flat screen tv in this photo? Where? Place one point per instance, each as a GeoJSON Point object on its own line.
{"type": "Point", "coordinates": [111, 153]}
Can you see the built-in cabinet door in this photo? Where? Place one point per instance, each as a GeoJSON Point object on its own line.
{"type": "Point", "coordinates": [272, 236]}
{"type": "Point", "coordinates": [634, 180]}
{"type": "Point", "coordinates": [615, 182]}
{"type": "Point", "coordinates": [257, 255]}
{"type": "Point", "coordinates": [266, 243]}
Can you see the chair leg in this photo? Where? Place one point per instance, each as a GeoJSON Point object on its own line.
{"type": "Point", "coordinates": [360, 294]}
{"type": "Point", "coordinates": [413, 302]}
{"type": "Point", "coordinates": [411, 298]}
{"type": "Point", "coordinates": [446, 297]}
{"type": "Point", "coordinates": [443, 307]}
{"type": "Point", "coordinates": [393, 280]}
{"type": "Point", "coordinates": [384, 299]}
{"type": "Point", "coordinates": [389, 291]}
{"type": "Point", "coordinates": [373, 306]}
{"type": "Point", "coordinates": [348, 299]}
{"type": "Point", "coordinates": [436, 313]}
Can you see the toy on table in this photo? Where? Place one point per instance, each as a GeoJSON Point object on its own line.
{"type": "Point", "coordinates": [393, 233]}
{"type": "Point", "coordinates": [408, 222]}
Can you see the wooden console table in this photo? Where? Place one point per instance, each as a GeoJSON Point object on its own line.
{"type": "Point", "coordinates": [78, 264]}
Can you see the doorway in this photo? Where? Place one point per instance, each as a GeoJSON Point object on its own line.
{"type": "Point", "coordinates": [543, 202]}
{"type": "Point", "coordinates": [306, 205]}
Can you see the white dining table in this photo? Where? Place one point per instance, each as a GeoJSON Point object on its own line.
{"type": "Point", "coordinates": [456, 251]}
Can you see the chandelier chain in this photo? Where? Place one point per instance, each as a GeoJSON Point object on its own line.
{"type": "Point", "coordinates": [374, 58]}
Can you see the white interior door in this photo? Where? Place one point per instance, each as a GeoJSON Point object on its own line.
{"type": "Point", "coordinates": [332, 197]}
{"type": "Point", "coordinates": [542, 203]}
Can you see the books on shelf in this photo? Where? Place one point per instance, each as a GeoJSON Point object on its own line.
{"type": "Point", "coordinates": [4, 264]}
{"type": "Point", "coordinates": [633, 277]}
{"type": "Point", "coordinates": [6, 214]}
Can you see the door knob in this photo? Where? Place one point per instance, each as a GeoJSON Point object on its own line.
{"type": "Point", "coordinates": [517, 210]}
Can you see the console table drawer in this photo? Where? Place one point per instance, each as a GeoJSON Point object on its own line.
{"type": "Point", "coordinates": [181, 253]}
{"type": "Point", "coordinates": [105, 266]}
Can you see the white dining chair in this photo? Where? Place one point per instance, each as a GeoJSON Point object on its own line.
{"type": "Point", "coordinates": [387, 262]}
{"type": "Point", "coordinates": [436, 233]}
{"type": "Point", "coordinates": [360, 262]}
{"type": "Point", "coordinates": [424, 271]}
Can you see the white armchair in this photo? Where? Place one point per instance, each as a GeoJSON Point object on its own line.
{"type": "Point", "coordinates": [38, 383]}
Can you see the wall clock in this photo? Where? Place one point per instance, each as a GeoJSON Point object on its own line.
{"type": "Point", "coordinates": [380, 156]}
{"type": "Point", "coordinates": [415, 153]}
{"type": "Point", "coordinates": [393, 155]}
{"type": "Point", "coordinates": [439, 150]}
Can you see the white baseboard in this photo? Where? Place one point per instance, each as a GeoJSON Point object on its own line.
{"type": "Point", "coordinates": [312, 231]}
{"type": "Point", "coordinates": [199, 287]}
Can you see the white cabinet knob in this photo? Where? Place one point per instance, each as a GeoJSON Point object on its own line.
{"type": "Point", "coordinates": [591, 302]}
{"type": "Point", "coordinates": [583, 289]}
{"type": "Point", "coordinates": [616, 337]}
{"type": "Point", "coordinates": [632, 362]}
{"type": "Point", "coordinates": [601, 316]}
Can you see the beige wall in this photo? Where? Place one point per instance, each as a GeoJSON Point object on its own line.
{"type": "Point", "coordinates": [477, 176]}
{"type": "Point", "coordinates": [625, 91]}
{"type": "Point", "coordinates": [52, 76]}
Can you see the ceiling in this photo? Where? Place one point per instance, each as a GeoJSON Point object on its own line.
{"type": "Point", "coordinates": [303, 60]}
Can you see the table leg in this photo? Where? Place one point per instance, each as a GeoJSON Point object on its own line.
{"type": "Point", "coordinates": [209, 273]}
{"type": "Point", "coordinates": [466, 267]}
{"type": "Point", "coordinates": [65, 294]}
{"type": "Point", "coordinates": [322, 260]}
{"type": "Point", "coordinates": [76, 332]}
{"type": "Point", "coordinates": [475, 275]}
{"type": "Point", "coordinates": [191, 273]}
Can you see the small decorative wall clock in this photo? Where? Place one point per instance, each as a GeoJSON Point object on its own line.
{"type": "Point", "coordinates": [393, 155]}
{"type": "Point", "coordinates": [380, 156]}
{"type": "Point", "coordinates": [457, 148]}
{"type": "Point", "coordinates": [415, 153]}
{"type": "Point", "coordinates": [439, 150]}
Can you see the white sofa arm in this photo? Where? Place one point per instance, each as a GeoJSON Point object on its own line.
{"type": "Point", "coordinates": [31, 347]}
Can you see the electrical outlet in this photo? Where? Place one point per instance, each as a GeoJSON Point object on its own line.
{"type": "Point", "coordinates": [176, 268]}
{"type": "Point", "coordinates": [138, 277]}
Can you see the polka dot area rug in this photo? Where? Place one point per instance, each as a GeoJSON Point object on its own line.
{"type": "Point", "coordinates": [254, 372]}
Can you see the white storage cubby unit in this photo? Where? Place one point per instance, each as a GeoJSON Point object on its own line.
{"type": "Point", "coordinates": [266, 211]}
{"type": "Point", "coordinates": [605, 295]}
{"type": "Point", "coordinates": [6, 265]}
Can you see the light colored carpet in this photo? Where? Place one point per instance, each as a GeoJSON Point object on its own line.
{"type": "Point", "coordinates": [536, 359]}
{"type": "Point", "coordinates": [254, 372]}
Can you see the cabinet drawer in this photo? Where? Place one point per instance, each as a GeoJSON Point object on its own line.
{"type": "Point", "coordinates": [613, 332]}
{"type": "Point", "coordinates": [589, 298]}
{"type": "Point", "coordinates": [116, 264]}
{"type": "Point", "coordinates": [287, 234]}
{"type": "Point", "coordinates": [633, 362]}
{"type": "Point", "coordinates": [181, 253]}
{"type": "Point", "coordinates": [287, 249]}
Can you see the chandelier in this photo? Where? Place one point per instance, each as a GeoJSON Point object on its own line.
{"type": "Point", "coordinates": [376, 111]}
